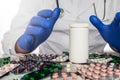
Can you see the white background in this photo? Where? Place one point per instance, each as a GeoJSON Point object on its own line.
{"type": "Point", "coordinates": [8, 9]}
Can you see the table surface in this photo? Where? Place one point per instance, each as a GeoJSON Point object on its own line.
{"type": "Point", "coordinates": [11, 76]}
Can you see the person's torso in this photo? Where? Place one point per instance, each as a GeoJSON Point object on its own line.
{"type": "Point", "coordinates": [76, 11]}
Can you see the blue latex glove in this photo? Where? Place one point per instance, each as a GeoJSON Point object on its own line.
{"type": "Point", "coordinates": [110, 32]}
{"type": "Point", "coordinates": [39, 29]}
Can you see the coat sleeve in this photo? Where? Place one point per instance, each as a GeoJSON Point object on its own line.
{"type": "Point", "coordinates": [28, 9]}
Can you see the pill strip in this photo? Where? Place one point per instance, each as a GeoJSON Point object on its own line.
{"type": "Point", "coordinates": [97, 71]}
{"type": "Point", "coordinates": [7, 68]}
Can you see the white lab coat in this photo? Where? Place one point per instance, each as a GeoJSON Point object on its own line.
{"type": "Point", "coordinates": [74, 11]}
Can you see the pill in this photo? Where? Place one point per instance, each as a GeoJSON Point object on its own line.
{"type": "Point", "coordinates": [74, 76]}
{"type": "Point", "coordinates": [103, 70]}
{"type": "Point", "coordinates": [91, 69]}
{"type": "Point", "coordinates": [110, 72]}
{"type": "Point", "coordinates": [116, 70]}
{"type": "Point", "coordinates": [83, 71]}
{"type": "Point", "coordinates": [117, 73]}
{"type": "Point", "coordinates": [103, 74]}
{"type": "Point", "coordinates": [96, 76]}
{"type": "Point", "coordinates": [98, 64]}
{"type": "Point", "coordinates": [104, 66]}
{"type": "Point", "coordinates": [110, 68]}
{"type": "Point", "coordinates": [86, 66]}
{"type": "Point", "coordinates": [55, 75]}
{"type": "Point", "coordinates": [97, 68]}
{"type": "Point", "coordinates": [96, 71]}
{"type": "Point", "coordinates": [92, 65]}
{"type": "Point", "coordinates": [89, 73]}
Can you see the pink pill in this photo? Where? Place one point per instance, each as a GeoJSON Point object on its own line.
{"type": "Point", "coordinates": [8, 65]}
{"type": "Point", "coordinates": [2, 68]}
{"type": "Point", "coordinates": [110, 68]}
{"type": "Point", "coordinates": [90, 69]}
{"type": "Point", "coordinates": [110, 72]}
{"type": "Point", "coordinates": [65, 78]}
{"type": "Point", "coordinates": [116, 70]}
{"type": "Point", "coordinates": [79, 68]}
{"type": "Point", "coordinates": [83, 77]}
{"type": "Point", "coordinates": [92, 65]}
{"type": "Point", "coordinates": [103, 70]}
{"type": "Point", "coordinates": [103, 74]}
{"type": "Point", "coordinates": [74, 76]}
{"type": "Point", "coordinates": [96, 71]}
{"type": "Point", "coordinates": [104, 66]}
{"type": "Point", "coordinates": [83, 71]}
{"type": "Point", "coordinates": [86, 66]}
{"type": "Point", "coordinates": [96, 77]}
{"type": "Point", "coordinates": [97, 68]}
{"type": "Point", "coordinates": [89, 73]}
{"type": "Point", "coordinates": [55, 75]}
{"type": "Point", "coordinates": [56, 79]}
{"type": "Point", "coordinates": [119, 67]}
{"type": "Point", "coordinates": [117, 73]}
{"type": "Point", "coordinates": [97, 64]}
{"type": "Point", "coordinates": [64, 75]}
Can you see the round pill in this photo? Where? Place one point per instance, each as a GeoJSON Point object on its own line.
{"type": "Point", "coordinates": [65, 78]}
{"type": "Point", "coordinates": [97, 68]}
{"type": "Point", "coordinates": [103, 70]}
{"type": "Point", "coordinates": [74, 76]}
{"type": "Point", "coordinates": [64, 75]}
{"type": "Point", "coordinates": [116, 70]}
{"type": "Point", "coordinates": [103, 74]}
{"type": "Point", "coordinates": [96, 76]}
{"type": "Point", "coordinates": [90, 69]}
{"type": "Point", "coordinates": [96, 71]}
{"type": "Point", "coordinates": [92, 65]}
{"type": "Point", "coordinates": [86, 66]}
{"type": "Point", "coordinates": [56, 79]}
{"type": "Point", "coordinates": [110, 72]}
{"type": "Point", "coordinates": [79, 67]}
{"type": "Point", "coordinates": [83, 71]}
{"type": "Point", "coordinates": [83, 77]}
{"type": "Point", "coordinates": [98, 64]}
{"type": "Point", "coordinates": [117, 73]}
{"type": "Point", "coordinates": [110, 68]}
{"type": "Point", "coordinates": [104, 66]}
{"type": "Point", "coordinates": [55, 76]}
{"type": "Point", "coordinates": [89, 73]}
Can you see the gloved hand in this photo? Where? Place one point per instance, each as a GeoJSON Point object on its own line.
{"type": "Point", "coordinates": [38, 30]}
{"type": "Point", "coordinates": [110, 32]}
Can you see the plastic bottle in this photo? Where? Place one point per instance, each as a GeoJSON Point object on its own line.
{"type": "Point", "coordinates": [79, 42]}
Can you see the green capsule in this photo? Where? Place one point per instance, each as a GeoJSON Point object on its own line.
{"type": "Point", "coordinates": [45, 69]}
{"type": "Point", "coordinates": [26, 77]}
{"type": "Point", "coordinates": [51, 70]}
{"type": "Point", "coordinates": [15, 79]}
{"type": "Point", "coordinates": [114, 61]}
{"type": "Point", "coordinates": [42, 75]}
{"type": "Point", "coordinates": [59, 67]}
{"type": "Point", "coordinates": [32, 78]}
{"type": "Point", "coordinates": [36, 73]}
{"type": "Point", "coordinates": [66, 53]}
{"type": "Point", "coordinates": [53, 66]}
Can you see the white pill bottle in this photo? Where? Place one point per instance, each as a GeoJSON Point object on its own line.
{"type": "Point", "coordinates": [79, 42]}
